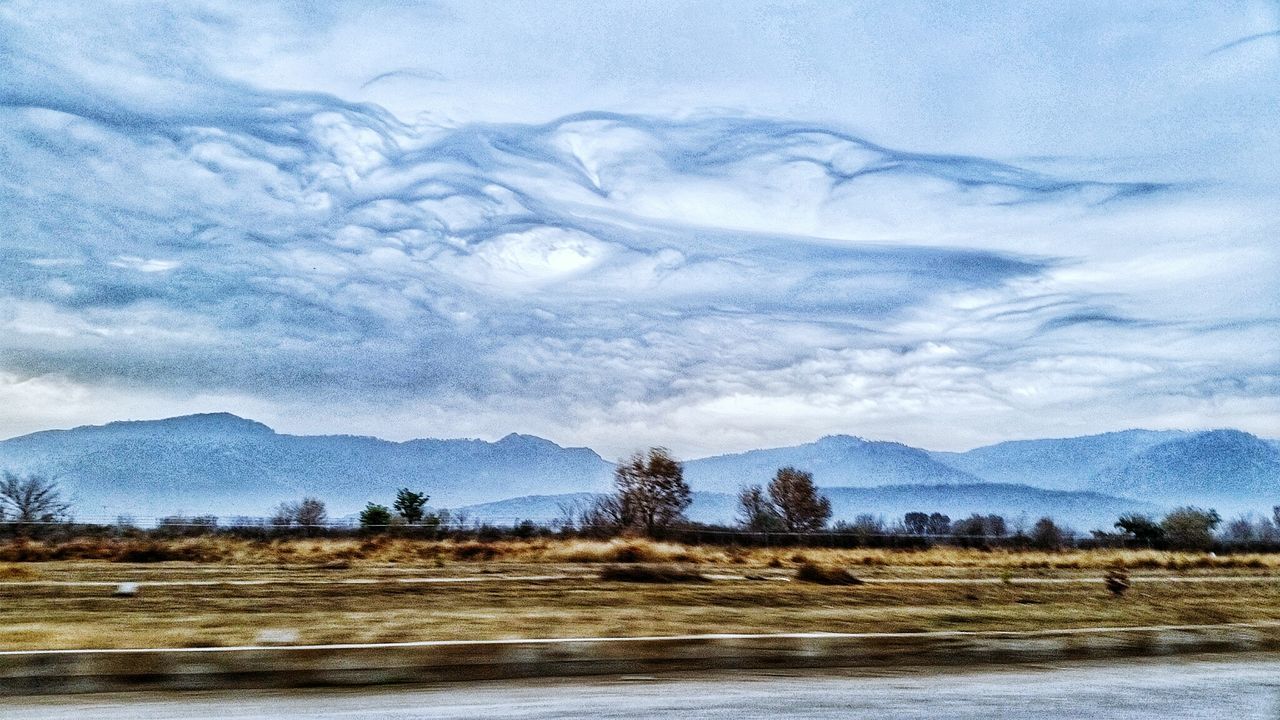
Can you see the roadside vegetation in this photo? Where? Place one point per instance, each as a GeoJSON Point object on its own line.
{"type": "Point", "coordinates": [627, 564]}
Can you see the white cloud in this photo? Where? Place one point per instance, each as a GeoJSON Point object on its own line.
{"type": "Point", "coordinates": [222, 226]}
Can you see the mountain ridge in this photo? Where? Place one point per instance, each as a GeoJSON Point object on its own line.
{"type": "Point", "coordinates": [227, 464]}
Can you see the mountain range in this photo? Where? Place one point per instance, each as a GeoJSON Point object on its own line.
{"type": "Point", "coordinates": [226, 465]}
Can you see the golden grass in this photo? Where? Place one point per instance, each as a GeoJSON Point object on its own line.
{"type": "Point", "coordinates": [749, 590]}
{"type": "Point", "coordinates": [323, 611]}
{"type": "Point", "coordinates": [382, 550]}
{"type": "Point", "coordinates": [11, 571]}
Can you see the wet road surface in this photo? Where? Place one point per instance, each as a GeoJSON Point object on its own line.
{"type": "Point", "coordinates": [1201, 687]}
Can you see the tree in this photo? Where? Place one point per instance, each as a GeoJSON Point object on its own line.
{"type": "Point", "coordinates": [1241, 530]}
{"type": "Point", "coordinates": [865, 526]}
{"type": "Point", "coordinates": [31, 499]}
{"type": "Point", "coordinates": [1144, 530]}
{"type": "Point", "coordinates": [309, 512]}
{"type": "Point", "coordinates": [939, 524]}
{"type": "Point", "coordinates": [410, 505]}
{"type": "Point", "coordinates": [980, 526]}
{"type": "Point", "coordinates": [1190, 528]}
{"type": "Point", "coordinates": [1046, 535]}
{"type": "Point", "coordinates": [756, 512]}
{"type": "Point", "coordinates": [375, 517]}
{"type": "Point", "coordinates": [312, 512]}
{"type": "Point", "coordinates": [916, 523]}
{"type": "Point", "coordinates": [651, 491]}
{"type": "Point", "coordinates": [602, 515]}
{"type": "Point", "coordinates": [800, 505]}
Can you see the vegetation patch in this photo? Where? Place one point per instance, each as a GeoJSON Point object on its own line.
{"type": "Point", "coordinates": [665, 574]}
{"type": "Point", "coordinates": [825, 575]}
{"type": "Point", "coordinates": [17, 572]}
{"type": "Point", "coordinates": [475, 551]}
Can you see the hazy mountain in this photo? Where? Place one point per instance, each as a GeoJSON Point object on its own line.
{"type": "Point", "coordinates": [1063, 463]}
{"type": "Point", "coordinates": [1222, 468]}
{"type": "Point", "coordinates": [1081, 510]}
{"type": "Point", "coordinates": [226, 465]}
{"type": "Point", "coordinates": [1228, 469]}
{"type": "Point", "coordinates": [835, 461]}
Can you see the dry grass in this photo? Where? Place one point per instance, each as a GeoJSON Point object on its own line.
{"type": "Point", "coordinates": [354, 590]}
{"type": "Point", "coordinates": [381, 550]}
{"type": "Point", "coordinates": [649, 574]}
{"type": "Point", "coordinates": [388, 611]}
{"type": "Point", "coordinates": [12, 572]}
{"type": "Point", "coordinates": [825, 575]}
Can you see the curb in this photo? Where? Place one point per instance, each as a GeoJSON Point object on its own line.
{"type": "Point", "coordinates": [40, 672]}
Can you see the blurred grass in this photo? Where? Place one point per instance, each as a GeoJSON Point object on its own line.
{"type": "Point", "coordinates": [759, 598]}
{"type": "Point", "coordinates": [379, 550]}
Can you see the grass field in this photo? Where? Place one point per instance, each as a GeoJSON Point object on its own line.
{"type": "Point", "coordinates": [227, 591]}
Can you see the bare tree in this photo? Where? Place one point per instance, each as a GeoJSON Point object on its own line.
{"type": "Point", "coordinates": [308, 512]}
{"type": "Point", "coordinates": [801, 506]}
{"type": "Point", "coordinates": [651, 491]}
{"type": "Point", "coordinates": [31, 499]}
{"type": "Point", "coordinates": [756, 511]}
{"type": "Point", "coordinates": [312, 512]}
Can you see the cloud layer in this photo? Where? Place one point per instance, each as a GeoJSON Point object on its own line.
{"type": "Point", "coordinates": [178, 238]}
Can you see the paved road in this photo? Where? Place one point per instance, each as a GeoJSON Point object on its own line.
{"type": "Point", "coordinates": [1238, 688]}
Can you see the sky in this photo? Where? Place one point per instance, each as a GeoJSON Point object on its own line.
{"type": "Point", "coordinates": [709, 226]}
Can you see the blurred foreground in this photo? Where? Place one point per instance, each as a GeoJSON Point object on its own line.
{"type": "Point", "coordinates": [218, 591]}
{"type": "Point", "coordinates": [1241, 688]}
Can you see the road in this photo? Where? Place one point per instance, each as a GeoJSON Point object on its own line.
{"type": "Point", "coordinates": [1203, 687]}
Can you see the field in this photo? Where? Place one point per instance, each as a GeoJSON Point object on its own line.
{"type": "Point", "coordinates": [217, 591]}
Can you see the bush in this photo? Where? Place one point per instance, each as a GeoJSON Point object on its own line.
{"type": "Point", "coordinates": [149, 552]}
{"type": "Point", "coordinates": [814, 573]}
{"type": "Point", "coordinates": [1117, 581]}
{"type": "Point", "coordinates": [649, 574]}
{"type": "Point", "coordinates": [475, 551]}
{"type": "Point", "coordinates": [630, 553]}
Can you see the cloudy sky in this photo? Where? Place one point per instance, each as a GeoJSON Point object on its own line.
{"type": "Point", "coordinates": [708, 225]}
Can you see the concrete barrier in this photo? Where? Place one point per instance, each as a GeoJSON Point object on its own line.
{"type": "Point", "coordinates": [81, 671]}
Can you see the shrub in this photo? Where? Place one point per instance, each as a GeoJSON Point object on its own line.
{"type": "Point", "coordinates": [149, 552]}
{"type": "Point", "coordinates": [1117, 581]}
{"type": "Point", "coordinates": [630, 553]}
{"type": "Point", "coordinates": [475, 551]}
{"type": "Point", "coordinates": [823, 575]}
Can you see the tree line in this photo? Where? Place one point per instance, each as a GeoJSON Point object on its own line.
{"type": "Point", "coordinates": [650, 497]}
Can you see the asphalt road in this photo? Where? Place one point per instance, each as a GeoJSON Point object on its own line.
{"type": "Point", "coordinates": [1239, 688]}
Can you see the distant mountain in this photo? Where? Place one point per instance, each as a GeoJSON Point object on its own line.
{"type": "Point", "coordinates": [226, 465]}
{"type": "Point", "coordinates": [1082, 511]}
{"type": "Point", "coordinates": [1228, 469]}
{"type": "Point", "coordinates": [1223, 468]}
{"type": "Point", "coordinates": [835, 461]}
{"type": "Point", "coordinates": [1066, 463]}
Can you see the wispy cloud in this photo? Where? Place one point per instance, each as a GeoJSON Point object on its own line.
{"type": "Point", "coordinates": [710, 280]}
